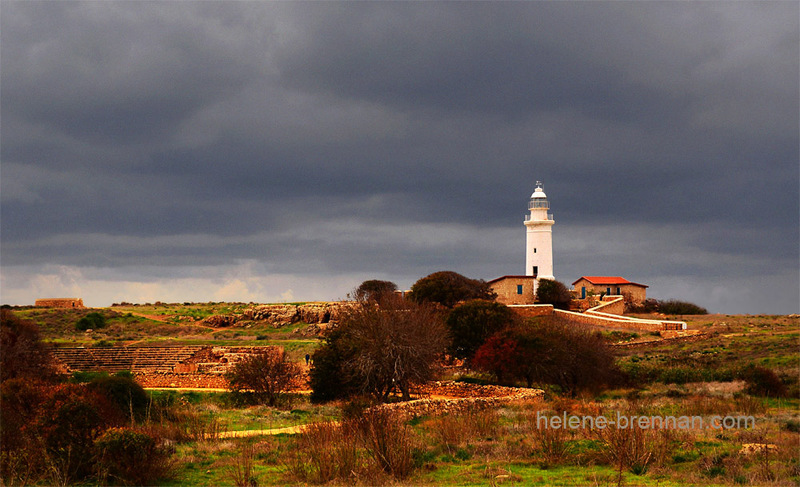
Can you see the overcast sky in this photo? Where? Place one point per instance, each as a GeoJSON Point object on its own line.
{"type": "Point", "coordinates": [287, 151]}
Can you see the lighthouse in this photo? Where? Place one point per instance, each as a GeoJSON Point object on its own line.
{"type": "Point", "coordinates": [539, 241]}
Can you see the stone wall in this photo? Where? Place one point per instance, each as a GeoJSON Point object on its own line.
{"type": "Point", "coordinates": [279, 315]}
{"type": "Point", "coordinates": [172, 379]}
{"type": "Point", "coordinates": [460, 397]}
{"type": "Point", "coordinates": [605, 320]}
{"type": "Point", "coordinates": [180, 362]}
{"type": "Point", "coordinates": [532, 310]}
{"type": "Point", "coordinates": [60, 303]}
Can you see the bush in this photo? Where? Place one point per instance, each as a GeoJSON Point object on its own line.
{"type": "Point", "coordinates": [131, 457]}
{"type": "Point", "coordinates": [550, 352]}
{"type": "Point", "coordinates": [553, 292]}
{"type": "Point", "coordinates": [23, 354]}
{"type": "Point", "coordinates": [263, 375]}
{"type": "Point", "coordinates": [327, 376]}
{"type": "Point", "coordinates": [449, 288]}
{"type": "Point", "coordinates": [473, 322]}
{"type": "Point", "coordinates": [389, 441]}
{"type": "Point", "coordinates": [68, 422]}
{"type": "Point", "coordinates": [379, 350]}
{"type": "Point", "coordinates": [762, 381]}
{"type": "Point", "coordinates": [92, 321]}
{"type": "Point", "coordinates": [374, 290]}
{"type": "Point", "coordinates": [126, 394]}
{"type": "Point", "coordinates": [675, 307]}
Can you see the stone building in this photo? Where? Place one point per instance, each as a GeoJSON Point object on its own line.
{"type": "Point", "coordinates": [609, 285]}
{"type": "Point", "coordinates": [60, 303]}
{"type": "Point", "coordinates": [514, 289]}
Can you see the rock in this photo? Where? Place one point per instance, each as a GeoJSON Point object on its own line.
{"type": "Point", "coordinates": [218, 321]}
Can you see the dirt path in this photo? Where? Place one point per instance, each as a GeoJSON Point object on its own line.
{"type": "Point", "coordinates": [287, 430]}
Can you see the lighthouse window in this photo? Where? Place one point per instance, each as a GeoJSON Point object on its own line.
{"type": "Point", "coordinates": [534, 250]}
{"type": "Point", "coordinates": [535, 271]}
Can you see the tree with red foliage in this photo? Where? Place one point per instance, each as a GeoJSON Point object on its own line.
{"type": "Point", "coordinates": [22, 353]}
{"type": "Point", "coordinates": [499, 356]}
{"type": "Point", "coordinates": [549, 352]}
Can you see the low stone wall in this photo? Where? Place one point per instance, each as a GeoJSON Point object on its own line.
{"type": "Point", "coordinates": [471, 400]}
{"type": "Point", "coordinates": [532, 310]}
{"type": "Point", "coordinates": [171, 379]}
{"type": "Point", "coordinates": [604, 322]}
{"type": "Point", "coordinates": [614, 305]}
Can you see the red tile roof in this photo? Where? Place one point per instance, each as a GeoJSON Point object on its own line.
{"type": "Point", "coordinates": [599, 280]}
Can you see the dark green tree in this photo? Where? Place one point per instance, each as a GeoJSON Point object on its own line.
{"type": "Point", "coordinates": [92, 321]}
{"type": "Point", "coordinates": [374, 290]}
{"type": "Point", "coordinates": [473, 322]}
{"type": "Point", "coordinates": [553, 292]}
{"type": "Point", "coordinates": [449, 288]}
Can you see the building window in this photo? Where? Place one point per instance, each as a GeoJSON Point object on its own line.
{"type": "Point", "coordinates": [519, 288]}
{"type": "Point", "coordinates": [608, 291]}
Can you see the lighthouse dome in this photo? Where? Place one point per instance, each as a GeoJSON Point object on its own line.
{"type": "Point", "coordinates": [538, 192]}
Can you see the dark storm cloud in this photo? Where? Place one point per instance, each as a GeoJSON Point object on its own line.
{"type": "Point", "coordinates": [344, 137]}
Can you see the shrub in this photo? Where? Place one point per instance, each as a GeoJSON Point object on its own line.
{"type": "Point", "coordinates": [327, 376]}
{"type": "Point", "coordinates": [389, 441]}
{"type": "Point", "coordinates": [449, 288]}
{"type": "Point", "coordinates": [374, 290]}
{"type": "Point", "coordinates": [553, 292]}
{"type": "Point", "coordinates": [378, 350]}
{"type": "Point", "coordinates": [23, 354]}
{"type": "Point", "coordinates": [326, 451]}
{"type": "Point", "coordinates": [263, 375]}
{"type": "Point", "coordinates": [92, 321]}
{"type": "Point", "coordinates": [550, 352]}
{"type": "Point", "coordinates": [126, 394]}
{"type": "Point", "coordinates": [675, 307]}
{"type": "Point", "coordinates": [762, 381]}
{"type": "Point", "coordinates": [68, 422]}
{"type": "Point", "coordinates": [473, 322]}
{"type": "Point", "coordinates": [131, 457]}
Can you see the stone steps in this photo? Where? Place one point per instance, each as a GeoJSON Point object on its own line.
{"type": "Point", "coordinates": [115, 359]}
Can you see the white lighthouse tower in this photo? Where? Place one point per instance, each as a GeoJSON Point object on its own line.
{"type": "Point", "coordinates": [539, 242]}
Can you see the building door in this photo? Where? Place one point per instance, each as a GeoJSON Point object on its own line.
{"type": "Point", "coordinates": [583, 292]}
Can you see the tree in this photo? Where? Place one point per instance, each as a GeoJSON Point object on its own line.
{"type": "Point", "coordinates": [327, 376]}
{"type": "Point", "coordinates": [92, 321]}
{"type": "Point", "coordinates": [473, 322]}
{"type": "Point", "coordinates": [550, 352]}
{"type": "Point", "coordinates": [263, 375]}
{"type": "Point", "coordinates": [374, 290]}
{"type": "Point", "coordinates": [382, 349]}
{"type": "Point", "coordinates": [23, 353]}
{"type": "Point", "coordinates": [553, 292]}
{"type": "Point", "coordinates": [449, 288]}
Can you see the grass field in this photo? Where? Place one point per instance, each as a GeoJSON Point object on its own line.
{"type": "Point", "coordinates": [504, 445]}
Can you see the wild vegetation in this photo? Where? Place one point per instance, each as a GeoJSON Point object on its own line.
{"type": "Point", "coordinates": [100, 429]}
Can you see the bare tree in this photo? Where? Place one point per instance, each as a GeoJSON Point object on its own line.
{"type": "Point", "coordinates": [392, 346]}
{"type": "Point", "coordinates": [264, 374]}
